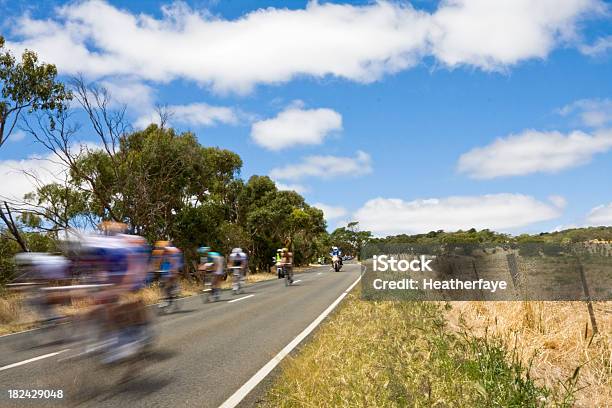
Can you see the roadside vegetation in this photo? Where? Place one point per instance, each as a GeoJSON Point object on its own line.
{"type": "Point", "coordinates": [554, 339]}
{"type": "Point", "coordinates": [397, 354]}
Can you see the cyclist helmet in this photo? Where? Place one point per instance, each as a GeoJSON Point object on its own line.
{"type": "Point", "coordinates": [236, 250]}
{"type": "Point", "coordinates": [203, 250]}
{"type": "Point", "coordinates": [112, 227]}
{"type": "Point", "coordinates": [162, 244]}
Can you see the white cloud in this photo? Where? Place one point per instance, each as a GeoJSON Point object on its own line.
{"type": "Point", "coordinates": [139, 97]}
{"type": "Point", "coordinates": [331, 212]}
{"type": "Point", "coordinates": [272, 45]}
{"type": "Point", "coordinates": [296, 126]}
{"type": "Point", "coordinates": [17, 136]}
{"type": "Point", "coordinates": [533, 151]}
{"type": "Point", "coordinates": [592, 112]}
{"type": "Point", "coordinates": [558, 201]}
{"type": "Point", "coordinates": [599, 47]}
{"type": "Point", "coordinates": [387, 216]}
{"type": "Point", "coordinates": [19, 177]}
{"type": "Point", "coordinates": [195, 114]}
{"type": "Point", "coordinates": [131, 92]}
{"type": "Point", "coordinates": [493, 34]}
{"type": "Point", "coordinates": [600, 215]}
{"type": "Point", "coordinates": [14, 183]}
{"type": "Point", "coordinates": [563, 227]}
{"type": "Point", "coordinates": [325, 167]}
{"type": "Point", "coordinates": [298, 188]}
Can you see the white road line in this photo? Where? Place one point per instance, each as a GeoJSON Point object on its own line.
{"type": "Point", "coordinates": [31, 360]}
{"type": "Point", "coordinates": [242, 392]}
{"type": "Point", "coordinates": [299, 280]}
{"type": "Point", "coordinates": [320, 273]}
{"type": "Point", "coordinates": [19, 332]}
{"type": "Point", "coordinates": [242, 298]}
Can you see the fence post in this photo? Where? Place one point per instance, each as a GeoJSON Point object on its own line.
{"type": "Point", "coordinates": [588, 298]}
{"type": "Point", "coordinates": [513, 267]}
{"type": "Point", "coordinates": [482, 297]}
{"type": "Point", "coordinates": [514, 273]}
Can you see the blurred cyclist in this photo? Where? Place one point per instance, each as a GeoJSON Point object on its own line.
{"type": "Point", "coordinates": [170, 261]}
{"type": "Point", "coordinates": [238, 266]}
{"type": "Point", "coordinates": [213, 264]}
{"type": "Point", "coordinates": [38, 270]}
{"type": "Point", "coordinates": [123, 326]}
{"type": "Point", "coordinates": [287, 263]}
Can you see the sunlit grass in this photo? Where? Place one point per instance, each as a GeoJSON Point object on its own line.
{"type": "Point", "coordinates": [398, 354]}
{"type": "Point", "coordinates": [554, 339]}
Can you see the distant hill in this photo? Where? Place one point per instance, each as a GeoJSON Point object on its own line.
{"type": "Point", "coordinates": [488, 236]}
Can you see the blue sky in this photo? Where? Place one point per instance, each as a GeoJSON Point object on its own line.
{"type": "Point", "coordinates": [404, 116]}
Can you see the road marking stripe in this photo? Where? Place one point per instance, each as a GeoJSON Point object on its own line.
{"type": "Point", "coordinates": [19, 332]}
{"type": "Point", "coordinates": [299, 280]}
{"type": "Point", "coordinates": [320, 273]}
{"type": "Point", "coordinates": [243, 391]}
{"type": "Point", "coordinates": [31, 360]}
{"type": "Point", "coordinates": [242, 298]}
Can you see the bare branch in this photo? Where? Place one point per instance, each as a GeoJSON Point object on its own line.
{"type": "Point", "coordinates": [164, 114]}
{"type": "Point", "coordinates": [12, 227]}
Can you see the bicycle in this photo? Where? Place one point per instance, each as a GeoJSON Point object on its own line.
{"type": "Point", "coordinates": [170, 302]}
{"type": "Point", "coordinates": [237, 279]}
{"type": "Point", "coordinates": [288, 272]}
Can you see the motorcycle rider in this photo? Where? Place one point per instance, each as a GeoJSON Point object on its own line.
{"type": "Point", "coordinates": [335, 251]}
{"type": "Point", "coordinates": [238, 265]}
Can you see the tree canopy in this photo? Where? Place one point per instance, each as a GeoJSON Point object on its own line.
{"type": "Point", "coordinates": [26, 85]}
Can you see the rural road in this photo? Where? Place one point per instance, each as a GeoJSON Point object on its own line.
{"type": "Point", "coordinates": [203, 355]}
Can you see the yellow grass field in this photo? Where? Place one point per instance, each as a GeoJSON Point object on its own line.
{"type": "Point", "coordinates": [459, 354]}
{"type": "Point", "coordinates": [553, 338]}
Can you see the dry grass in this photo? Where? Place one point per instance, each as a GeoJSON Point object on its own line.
{"type": "Point", "coordinates": [397, 354]}
{"type": "Point", "coordinates": [554, 338]}
{"type": "Point", "coordinates": [14, 316]}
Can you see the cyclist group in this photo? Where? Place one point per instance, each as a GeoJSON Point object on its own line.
{"type": "Point", "coordinates": [112, 266]}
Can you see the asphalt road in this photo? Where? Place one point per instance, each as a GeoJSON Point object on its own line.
{"type": "Point", "coordinates": [202, 355]}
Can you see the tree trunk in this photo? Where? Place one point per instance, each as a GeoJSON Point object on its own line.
{"type": "Point", "coordinates": [12, 227]}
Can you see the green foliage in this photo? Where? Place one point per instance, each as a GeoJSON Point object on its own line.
{"type": "Point", "coordinates": [275, 219]}
{"type": "Point", "coordinates": [60, 204]}
{"type": "Point", "coordinates": [350, 239]}
{"type": "Point", "coordinates": [37, 242]}
{"type": "Point", "coordinates": [165, 185]}
{"type": "Point", "coordinates": [471, 236]}
{"type": "Point", "coordinates": [8, 249]}
{"type": "Point", "coordinates": [26, 85]}
{"type": "Point", "coordinates": [544, 241]}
